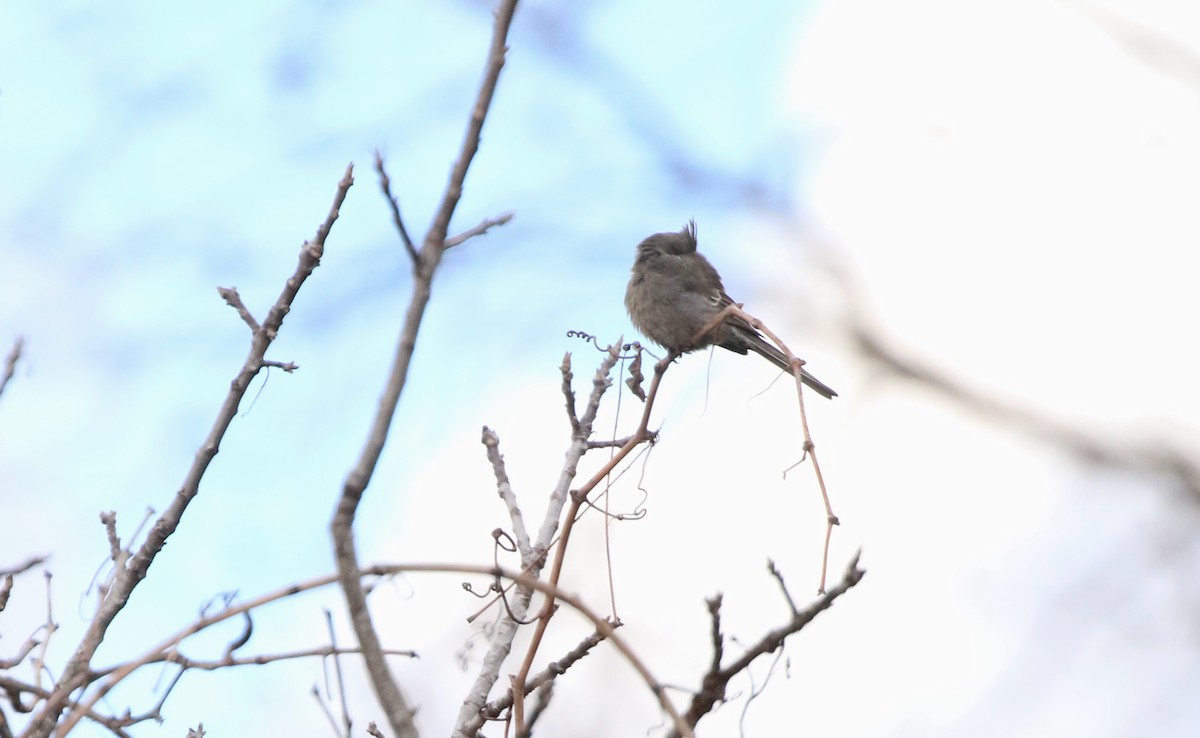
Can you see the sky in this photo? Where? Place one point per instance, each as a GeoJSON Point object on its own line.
{"type": "Point", "coordinates": [1004, 191]}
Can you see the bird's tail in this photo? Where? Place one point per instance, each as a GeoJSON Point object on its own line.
{"type": "Point", "coordinates": [776, 357]}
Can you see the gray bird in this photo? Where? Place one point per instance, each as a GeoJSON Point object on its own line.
{"type": "Point", "coordinates": [673, 293]}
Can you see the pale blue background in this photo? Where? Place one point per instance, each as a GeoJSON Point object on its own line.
{"type": "Point", "coordinates": [1009, 184]}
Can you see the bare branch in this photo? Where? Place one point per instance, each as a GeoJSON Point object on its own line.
{"type": "Point", "coordinates": [435, 239]}
{"type": "Point", "coordinates": [24, 566]}
{"type": "Point", "coordinates": [427, 259]}
{"type": "Point", "coordinates": [716, 679]}
{"type": "Point", "coordinates": [331, 651]}
{"type": "Point", "coordinates": [29, 644]}
{"type": "Point", "coordinates": [77, 673]}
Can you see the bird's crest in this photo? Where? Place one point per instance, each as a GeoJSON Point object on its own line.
{"type": "Point", "coordinates": [689, 230]}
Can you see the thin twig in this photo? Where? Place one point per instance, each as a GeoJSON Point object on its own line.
{"type": "Point", "coordinates": [234, 300]}
{"type": "Point", "coordinates": [569, 392]}
{"type": "Point", "coordinates": [783, 588]}
{"type": "Point", "coordinates": [480, 229]}
{"type": "Point", "coordinates": [287, 366]}
{"type": "Point", "coordinates": [24, 566]}
{"type": "Point", "coordinates": [504, 488]}
{"type": "Point", "coordinates": [337, 670]}
{"type": "Point", "coordinates": [385, 183]}
{"type": "Point", "coordinates": [331, 651]}
{"type": "Point", "coordinates": [29, 644]}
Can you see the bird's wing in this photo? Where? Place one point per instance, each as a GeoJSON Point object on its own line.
{"type": "Point", "coordinates": [724, 301]}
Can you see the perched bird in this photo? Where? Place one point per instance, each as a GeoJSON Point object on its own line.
{"type": "Point", "coordinates": [673, 293]}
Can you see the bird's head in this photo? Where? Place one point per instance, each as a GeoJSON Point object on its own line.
{"type": "Point", "coordinates": [674, 243]}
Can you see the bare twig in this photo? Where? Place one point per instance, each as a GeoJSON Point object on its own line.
{"type": "Point", "coordinates": [783, 588]}
{"type": "Point", "coordinates": [756, 690]}
{"type": "Point", "coordinates": [324, 652]}
{"type": "Point", "coordinates": [234, 300]}
{"type": "Point", "coordinates": [49, 628]}
{"type": "Point", "coordinates": [492, 442]}
{"type": "Point", "coordinates": [569, 392]}
{"type": "Point", "coordinates": [109, 520]}
{"type": "Point", "coordinates": [22, 652]}
{"type": "Point", "coordinates": [480, 229]}
{"type": "Point", "coordinates": [77, 673]}
{"type": "Point", "coordinates": [385, 183]}
{"type": "Point", "coordinates": [337, 670]}
{"type": "Point", "coordinates": [24, 566]}
{"type": "Point", "coordinates": [287, 366]}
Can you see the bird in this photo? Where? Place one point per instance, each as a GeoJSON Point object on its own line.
{"type": "Point", "coordinates": [674, 292]}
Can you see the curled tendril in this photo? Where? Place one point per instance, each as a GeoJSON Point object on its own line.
{"type": "Point", "coordinates": [504, 541]}
{"type": "Point", "coordinates": [486, 593]}
{"type": "Point", "coordinates": [634, 346]}
{"type": "Point", "coordinates": [507, 608]}
{"type": "Point", "coordinates": [585, 336]}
